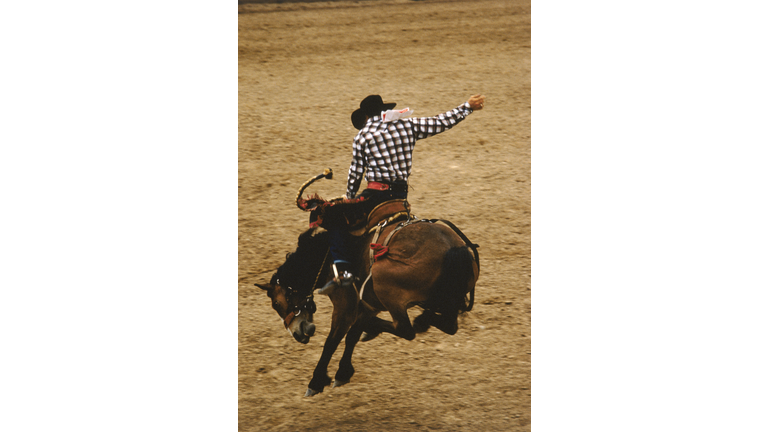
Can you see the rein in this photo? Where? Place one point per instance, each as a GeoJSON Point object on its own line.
{"type": "Point", "coordinates": [319, 272]}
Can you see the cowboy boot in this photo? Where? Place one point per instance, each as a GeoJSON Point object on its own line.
{"type": "Point", "coordinates": [343, 277]}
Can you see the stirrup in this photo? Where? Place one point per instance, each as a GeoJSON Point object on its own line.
{"type": "Point", "coordinates": [328, 288]}
{"type": "Point", "coordinates": [345, 278]}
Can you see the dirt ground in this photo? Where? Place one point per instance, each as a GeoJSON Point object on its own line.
{"type": "Point", "coordinates": [303, 68]}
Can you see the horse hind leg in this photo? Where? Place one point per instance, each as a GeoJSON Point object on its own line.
{"type": "Point", "coordinates": [399, 326]}
{"type": "Point", "coordinates": [448, 298]}
{"type": "Point", "coordinates": [447, 323]}
{"type": "Point", "coordinates": [402, 324]}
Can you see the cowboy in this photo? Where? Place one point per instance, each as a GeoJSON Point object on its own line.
{"type": "Point", "coordinates": [382, 149]}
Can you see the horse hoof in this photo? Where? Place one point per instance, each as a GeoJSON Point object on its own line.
{"type": "Point", "coordinates": [310, 392]}
{"type": "Point", "coordinates": [365, 337]}
{"type": "Point", "coordinates": [337, 383]}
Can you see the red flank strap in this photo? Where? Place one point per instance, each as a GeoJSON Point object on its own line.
{"type": "Point", "coordinates": [378, 250]}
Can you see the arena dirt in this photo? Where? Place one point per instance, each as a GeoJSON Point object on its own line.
{"type": "Point", "coordinates": [303, 68]}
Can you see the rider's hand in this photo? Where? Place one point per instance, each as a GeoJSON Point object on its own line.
{"type": "Point", "coordinates": [476, 102]}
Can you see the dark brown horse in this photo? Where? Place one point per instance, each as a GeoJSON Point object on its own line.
{"type": "Point", "coordinates": [429, 264]}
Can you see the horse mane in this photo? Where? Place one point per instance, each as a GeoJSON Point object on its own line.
{"type": "Point", "coordinates": [300, 269]}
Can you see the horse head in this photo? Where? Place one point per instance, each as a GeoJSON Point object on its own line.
{"type": "Point", "coordinates": [294, 309]}
{"type": "Point", "coordinates": [291, 288]}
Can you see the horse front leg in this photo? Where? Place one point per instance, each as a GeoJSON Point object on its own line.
{"type": "Point", "coordinates": [320, 377]}
{"type": "Point", "coordinates": [346, 370]}
{"type": "Point", "coordinates": [344, 315]}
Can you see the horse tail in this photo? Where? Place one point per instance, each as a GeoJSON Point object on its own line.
{"type": "Point", "coordinates": [454, 283]}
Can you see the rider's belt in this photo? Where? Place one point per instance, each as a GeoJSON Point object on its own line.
{"type": "Point", "coordinates": [394, 187]}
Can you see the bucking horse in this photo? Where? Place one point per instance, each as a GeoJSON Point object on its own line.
{"type": "Point", "coordinates": [408, 262]}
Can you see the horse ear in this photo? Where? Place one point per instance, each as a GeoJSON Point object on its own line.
{"type": "Point", "coordinates": [265, 287]}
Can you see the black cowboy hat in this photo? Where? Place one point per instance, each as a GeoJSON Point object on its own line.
{"type": "Point", "coordinates": [371, 106]}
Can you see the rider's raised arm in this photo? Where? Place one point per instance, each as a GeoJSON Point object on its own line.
{"type": "Point", "coordinates": [424, 127]}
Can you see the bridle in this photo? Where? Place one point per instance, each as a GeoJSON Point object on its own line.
{"type": "Point", "coordinates": [308, 303]}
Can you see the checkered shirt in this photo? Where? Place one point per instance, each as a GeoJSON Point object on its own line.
{"type": "Point", "coordinates": [385, 149]}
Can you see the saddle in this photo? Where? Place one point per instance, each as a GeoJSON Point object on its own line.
{"type": "Point", "coordinates": [390, 211]}
{"type": "Point", "coordinates": [341, 211]}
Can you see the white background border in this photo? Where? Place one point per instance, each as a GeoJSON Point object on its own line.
{"type": "Point", "coordinates": [649, 216]}
{"type": "Point", "coordinates": [118, 241]}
